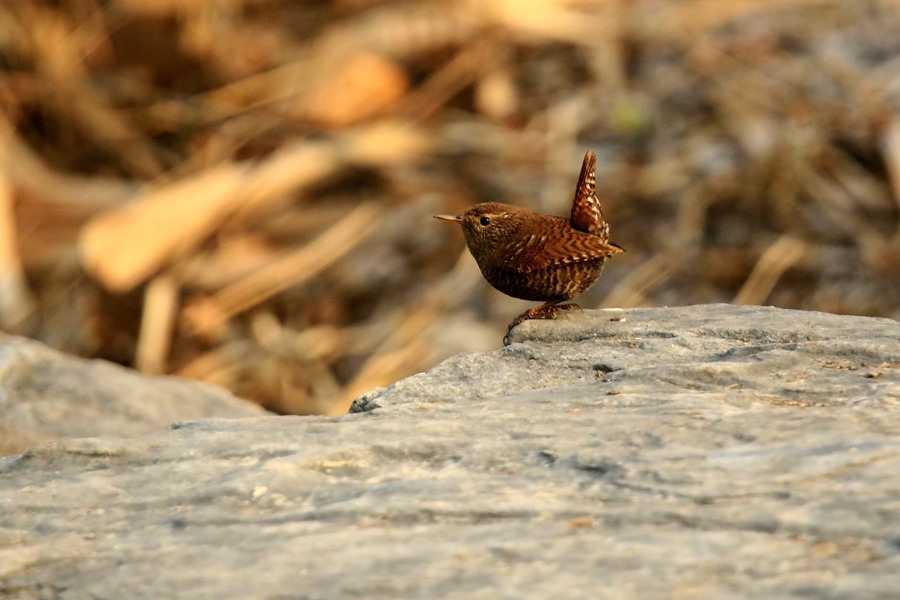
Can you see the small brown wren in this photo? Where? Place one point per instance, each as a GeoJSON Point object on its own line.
{"type": "Point", "coordinates": [538, 257]}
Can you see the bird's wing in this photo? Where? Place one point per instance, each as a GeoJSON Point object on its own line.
{"type": "Point", "coordinates": [539, 252]}
{"type": "Point", "coordinates": [587, 215]}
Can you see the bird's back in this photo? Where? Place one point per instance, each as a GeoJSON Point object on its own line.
{"type": "Point", "coordinates": [548, 260]}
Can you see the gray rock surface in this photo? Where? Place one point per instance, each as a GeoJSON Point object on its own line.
{"type": "Point", "coordinates": [48, 396]}
{"type": "Point", "coordinates": [701, 452]}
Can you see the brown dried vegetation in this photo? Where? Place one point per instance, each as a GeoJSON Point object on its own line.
{"type": "Point", "coordinates": [240, 191]}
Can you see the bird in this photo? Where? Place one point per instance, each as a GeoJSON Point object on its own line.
{"type": "Point", "coordinates": [539, 257]}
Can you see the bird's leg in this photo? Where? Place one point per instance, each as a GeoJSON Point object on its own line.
{"type": "Point", "coordinates": [548, 310]}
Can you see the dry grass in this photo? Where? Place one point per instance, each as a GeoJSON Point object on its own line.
{"type": "Point", "coordinates": [240, 192]}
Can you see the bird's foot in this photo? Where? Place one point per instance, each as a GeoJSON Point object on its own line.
{"type": "Point", "coordinates": [545, 311]}
{"type": "Point", "coordinates": [568, 306]}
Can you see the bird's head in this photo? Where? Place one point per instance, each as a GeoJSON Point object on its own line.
{"type": "Point", "coordinates": [489, 227]}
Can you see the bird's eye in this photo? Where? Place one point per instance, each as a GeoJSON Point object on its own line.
{"type": "Point", "coordinates": [485, 221]}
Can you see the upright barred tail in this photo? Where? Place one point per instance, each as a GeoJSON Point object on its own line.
{"type": "Point", "coordinates": [587, 215]}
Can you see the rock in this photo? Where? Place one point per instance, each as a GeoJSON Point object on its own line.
{"type": "Point", "coordinates": [701, 452]}
{"type": "Point", "coordinates": [47, 396]}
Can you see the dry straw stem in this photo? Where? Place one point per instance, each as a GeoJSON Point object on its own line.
{"type": "Point", "coordinates": [123, 246]}
{"type": "Point", "coordinates": [605, 19]}
{"type": "Point", "coordinates": [176, 8]}
{"type": "Point", "coordinates": [335, 92]}
{"type": "Point", "coordinates": [778, 258]}
{"type": "Point", "coordinates": [890, 143]}
{"type": "Point", "coordinates": [33, 181]}
{"type": "Point", "coordinates": [157, 324]}
{"type": "Point", "coordinates": [217, 366]}
{"type": "Point", "coordinates": [384, 144]}
{"type": "Point", "coordinates": [126, 245]}
{"type": "Point", "coordinates": [401, 30]}
{"type": "Point", "coordinates": [363, 86]}
{"type": "Point", "coordinates": [834, 201]}
{"type": "Point", "coordinates": [206, 316]}
{"type": "Point", "coordinates": [551, 19]}
{"type": "Point", "coordinates": [471, 63]}
{"type": "Point", "coordinates": [16, 302]}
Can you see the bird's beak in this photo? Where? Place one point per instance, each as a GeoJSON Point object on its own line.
{"type": "Point", "coordinates": [448, 218]}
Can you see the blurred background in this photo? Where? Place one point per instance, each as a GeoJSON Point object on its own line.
{"type": "Point", "coordinates": [241, 191]}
